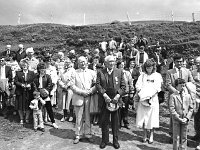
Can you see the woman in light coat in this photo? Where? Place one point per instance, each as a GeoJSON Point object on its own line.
{"type": "Point", "coordinates": [64, 82]}
{"type": "Point", "coordinates": [148, 85]}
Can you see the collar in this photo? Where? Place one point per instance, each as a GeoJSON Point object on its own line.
{"type": "Point", "coordinates": [109, 71]}
{"type": "Point", "coordinates": [25, 71]}
{"type": "Point", "coordinates": [177, 70]}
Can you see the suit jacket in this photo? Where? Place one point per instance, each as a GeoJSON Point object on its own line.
{"type": "Point", "coordinates": [172, 75]}
{"type": "Point", "coordinates": [102, 82]}
{"type": "Point", "coordinates": [46, 82]}
{"type": "Point", "coordinates": [181, 108]}
{"type": "Point", "coordinates": [8, 73]}
{"type": "Point", "coordinates": [80, 84]}
{"type": "Point", "coordinates": [19, 80]}
{"type": "Point", "coordinates": [20, 56]}
{"type": "Point", "coordinates": [4, 53]}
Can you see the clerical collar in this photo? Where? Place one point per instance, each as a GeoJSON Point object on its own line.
{"type": "Point", "coordinates": [109, 71]}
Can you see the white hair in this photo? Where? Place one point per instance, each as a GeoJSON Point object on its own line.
{"type": "Point", "coordinates": [109, 58]}
{"type": "Point", "coordinates": [82, 58]}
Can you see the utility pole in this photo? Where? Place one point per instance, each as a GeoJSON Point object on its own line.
{"type": "Point", "coordinates": [127, 15]}
{"type": "Point", "coordinates": [193, 18]}
{"type": "Point", "coordinates": [172, 16]}
{"type": "Point", "coordinates": [84, 19]}
{"type": "Point", "coordinates": [19, 19]}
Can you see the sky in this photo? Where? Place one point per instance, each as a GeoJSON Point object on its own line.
{"type": "Point", "coordinates": [73, 12]}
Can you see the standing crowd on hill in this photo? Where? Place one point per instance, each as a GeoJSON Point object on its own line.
{"type": "Point", "coordinates": [99, 87]}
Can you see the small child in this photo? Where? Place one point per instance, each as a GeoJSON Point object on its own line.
{"type": "Point", "coordinates": [181, 109]}
{"type": "Point", "coordinates": [36, 105]}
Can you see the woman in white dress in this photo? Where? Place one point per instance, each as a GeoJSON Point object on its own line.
{"type": "Point", "coordinates": [148, 85]}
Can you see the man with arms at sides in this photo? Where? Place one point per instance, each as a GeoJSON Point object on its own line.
{"type": "Point", "coordinates": [83, 85]}
{"type": "Point", "coordinates": [111, 86]}
{"type": "Point", "coordinates": [177, 72]}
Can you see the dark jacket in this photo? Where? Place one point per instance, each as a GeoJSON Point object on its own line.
{"type": "Point", "coordinates": [20, 79]}
{"type": "Point", "coordinates": [46, 81]}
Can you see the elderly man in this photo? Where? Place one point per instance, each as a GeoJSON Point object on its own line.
{"type": "Point", "coordinates": [196, 76]}
{"type": "Point", "coordinates": [83, 85]}
{"type": "Point", "coordinates": [21, 54]}
{"type": "Point", "coordinates": [111, 86]}
{"type": "Point", "coordinates": [7, 52]}
{"type": "Point", "coordinates": [32, 61]}
{"type": "Point", "coordinates": [177, 72]}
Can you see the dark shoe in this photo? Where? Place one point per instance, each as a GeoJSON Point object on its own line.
{"type": "Point", "coordinates": [150, 142]}
{"type": "Point", "coordinates": [102, 145]}
{"type": "Point", "coordinates": [76, 141]}
{"type": "Point", "coordinates": [126, 126]}
{"type": "Point", "coordinates": [144, 140]}
{"type": "Point", "coordinates": [116, 145]}
{"type": "Point", "coordinates": [170, 141]}
{"type": "Point", "coordinates": [195, 138]}
{"type": "Point", "coordinates": [35, 130]}
{"type": "Point", "coordinates": [42, 129]}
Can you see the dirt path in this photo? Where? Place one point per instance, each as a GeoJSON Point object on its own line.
{"type": "Point", "coordinates": [24, 138]}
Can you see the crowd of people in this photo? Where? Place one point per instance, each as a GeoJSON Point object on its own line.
{"type": "Point", "coordinates": [99, 87]}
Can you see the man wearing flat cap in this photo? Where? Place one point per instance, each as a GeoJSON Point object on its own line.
{"type": "Point", "coordinates": [111, 86]}
{"type": "Point", "coordinates": [21, 54]}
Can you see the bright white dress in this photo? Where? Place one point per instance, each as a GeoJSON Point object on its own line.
{"type": "Point", "coordinates": [51, 70]}
{"type": "Point", "coordinates": [148, 115]}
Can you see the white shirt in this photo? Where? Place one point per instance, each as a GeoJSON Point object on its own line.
{"type": "Point", "coordinates": [179, 72]}
{"type": "Point", "coordinates": [40, 82]}
{"type": "Point", "coordinates": [3, 72]}
{"type": "Point", "coordinates": [25, 75]}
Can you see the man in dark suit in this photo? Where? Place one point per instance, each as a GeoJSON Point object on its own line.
{"type": "Point", "coordinates": [7, 53]}
{"type": "Point", "coordinates": [5, 73]}
{"type": "Point", "coordinates": [111, 86]}
{"type": "Point", "coordinates": [177, 72]}
{"type": "Point", "coordinates": [21, 53]}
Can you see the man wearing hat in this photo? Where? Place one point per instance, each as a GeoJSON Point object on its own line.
{"type": "Point", "coordinates": [7, 52]}
{"type": "Point", "coordinates": [21, 54]}
{"type": "Point", "coordinates": [32, 61]}
{"type": "Point", "coordinates": [111, 86]}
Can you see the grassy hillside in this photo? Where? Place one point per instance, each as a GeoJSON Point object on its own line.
{"type": "Point", "coordinates": [180, 37]}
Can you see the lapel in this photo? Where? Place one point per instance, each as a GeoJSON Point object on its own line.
{"type": "Point", "coordinates": [105, 75]}
{"type": "Point", "coordinates": [175, 75]}
{"type": "Point", "coordinates": [115, 78]}
{"type": "Point", "coordinates": [179, 99]}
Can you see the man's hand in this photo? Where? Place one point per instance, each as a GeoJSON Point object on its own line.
{"type": "Point", "coordinates": [23, 85]}
{"type": "Point", "coordinates": [107, 98]}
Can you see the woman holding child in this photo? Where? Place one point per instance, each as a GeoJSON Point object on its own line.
{"type": "Point", "coordinates": [147, 87]}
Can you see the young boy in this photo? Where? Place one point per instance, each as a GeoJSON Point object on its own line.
{"type": "Point", "coordinates": [36, 105]}
{"type": "Point", "coordinates": [181, 109]}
